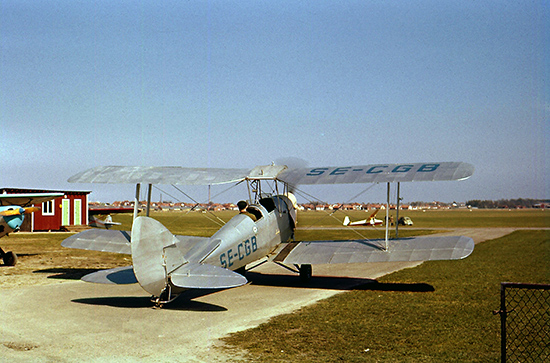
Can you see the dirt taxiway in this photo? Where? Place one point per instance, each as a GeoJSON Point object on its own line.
{"type": "Point", "coordinates": [56, 320]}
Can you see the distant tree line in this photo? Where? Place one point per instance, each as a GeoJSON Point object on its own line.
{"type": "Point", "coordinates": [506, 203]}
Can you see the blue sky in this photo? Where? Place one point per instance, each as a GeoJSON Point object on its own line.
{"type": "Point", "coordinates": [244, 83]}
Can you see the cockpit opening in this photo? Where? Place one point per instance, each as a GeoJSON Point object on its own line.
{"type": "Point", "coordinates": [254, 211]}
{"type": "Point", "coordinates": [268, 204]}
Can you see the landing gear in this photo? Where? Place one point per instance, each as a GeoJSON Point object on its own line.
{"type": "Point", "coordinates": [164, 297]}
{"type": "Point", "coordinates": [9, 258]}
{"type": "Point", "coordinates": [305, 272]}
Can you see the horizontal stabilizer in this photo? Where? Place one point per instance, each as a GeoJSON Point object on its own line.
{"type": "Point", "coordinates": [100, 240]}
{"type": "Point", "coordinates": [195, 276]}
{"type": "Point", "coordinates": [360, 251]}
{"type": "Point", "coordinates": [119, 276]}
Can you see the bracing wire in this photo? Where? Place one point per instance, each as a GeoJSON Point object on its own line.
{"type": "Point", "coordinates": [217, 220]}
{"type": "Point", "coordinates": [306, 195]}
{"type": "Point", "coordinates": [357, 195]}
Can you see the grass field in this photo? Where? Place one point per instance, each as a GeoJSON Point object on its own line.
{"type": "Point", "coordinates": [445, 218]}
{"type": "Point", "coordinates": [440, 311]}
{"type": "Point", "coordinates": [205, 224]}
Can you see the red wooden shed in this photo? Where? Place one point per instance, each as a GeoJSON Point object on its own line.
{"type": "Point", "coordinates": [58, 214]}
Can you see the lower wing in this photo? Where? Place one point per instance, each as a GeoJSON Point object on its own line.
{"type": "Point", "coordinates": [100, 240]}
{"type": "Point", "coordinates": [361, 251]}
{"type": "Point", "coordinates": [105, 240]}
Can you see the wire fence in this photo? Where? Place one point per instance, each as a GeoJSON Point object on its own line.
{"type": "Point", "coordinates": [525, 322]}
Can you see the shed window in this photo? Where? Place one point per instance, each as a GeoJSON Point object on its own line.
{"type": "Point", "coordinates": [47, 208]}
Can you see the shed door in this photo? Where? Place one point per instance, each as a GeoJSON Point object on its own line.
{"type": "Point", "coordinates": [65, 212]}
{"type": "Point", "coordinates": [77, 212]}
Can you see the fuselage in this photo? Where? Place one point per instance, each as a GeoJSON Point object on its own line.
{"type": "Point", "coordinates": [244, 240]}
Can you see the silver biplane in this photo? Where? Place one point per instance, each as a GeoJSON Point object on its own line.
{"type": "Point", "coordinates": [165, 264]}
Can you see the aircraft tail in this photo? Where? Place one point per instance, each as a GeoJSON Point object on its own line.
{"type": "Point", "coordinates": [154, 254]}
{"type": "Point", "coordinates": [160, 265]}
{"type": "Point", "coordinates": [346, 221]}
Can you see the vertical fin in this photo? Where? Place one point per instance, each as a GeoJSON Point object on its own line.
{"type": "Point", "coordinates": [149, 241]}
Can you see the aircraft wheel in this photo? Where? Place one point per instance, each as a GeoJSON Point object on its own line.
{"type": "Point", "coordinates": [10, 258]}
{"type": "Point", "coordinates": [305, 273]}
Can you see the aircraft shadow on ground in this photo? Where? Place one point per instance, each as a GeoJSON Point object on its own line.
{"type": "Point", "coordinates": [281, 280]}
{"type": "Point", "coordinates": [67, 273]}
{"type": "Point", "coordinates": [184, 302]}
{"type": "Point", "coordinates": [334, 283]}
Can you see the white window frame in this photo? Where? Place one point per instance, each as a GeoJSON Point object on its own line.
{"type": "Point", "coordinates": [48, 208]}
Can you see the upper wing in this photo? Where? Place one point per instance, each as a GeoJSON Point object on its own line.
{"type": "Point", "coordinates": [378, 173]}
{"type": "Point", "coordinates": [26, 199]}
{"type": "Point", "coordinates": [374, 173]}
{"type": "Point", "coordinates": [158, 175]}
{"type": "Point", "coordinates": [352, 251]}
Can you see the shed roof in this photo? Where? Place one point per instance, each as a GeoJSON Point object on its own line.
{"type": "Point", "coordinates": [25, 190]}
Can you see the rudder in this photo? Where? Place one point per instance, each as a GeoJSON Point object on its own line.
{"type": "Point", "coordinates": [150, 240]}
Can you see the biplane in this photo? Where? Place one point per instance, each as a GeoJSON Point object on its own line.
{"type": "Point", "coordinates": [165, 264]}
{"type": "Point", "coordinates": [13, 208]}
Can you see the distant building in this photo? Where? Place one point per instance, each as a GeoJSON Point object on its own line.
{"type": "Point", "coordinates": [64, 213]}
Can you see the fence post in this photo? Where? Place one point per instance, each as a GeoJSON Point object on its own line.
{"type": "Point", "coordinates": [502, 322]}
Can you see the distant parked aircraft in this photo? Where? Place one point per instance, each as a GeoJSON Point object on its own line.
{"type": "Point", "coordinates": [101, 216]}
{"type": "Point", "coordinates": [13, 208]}
{"type": "Point", "coordinates": [370, 221]}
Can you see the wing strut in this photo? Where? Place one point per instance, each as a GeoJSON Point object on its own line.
{"type": "Point", "coordinates": [149, 190]}
{"type": "Point", "coordinates": [387, 216]}
{"type": "Point", "coordinates": [396, 217]}
{"type": "Point", "coordinates": [397, 214]}
{"type": "Point", "coordinates": [136, 201]}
